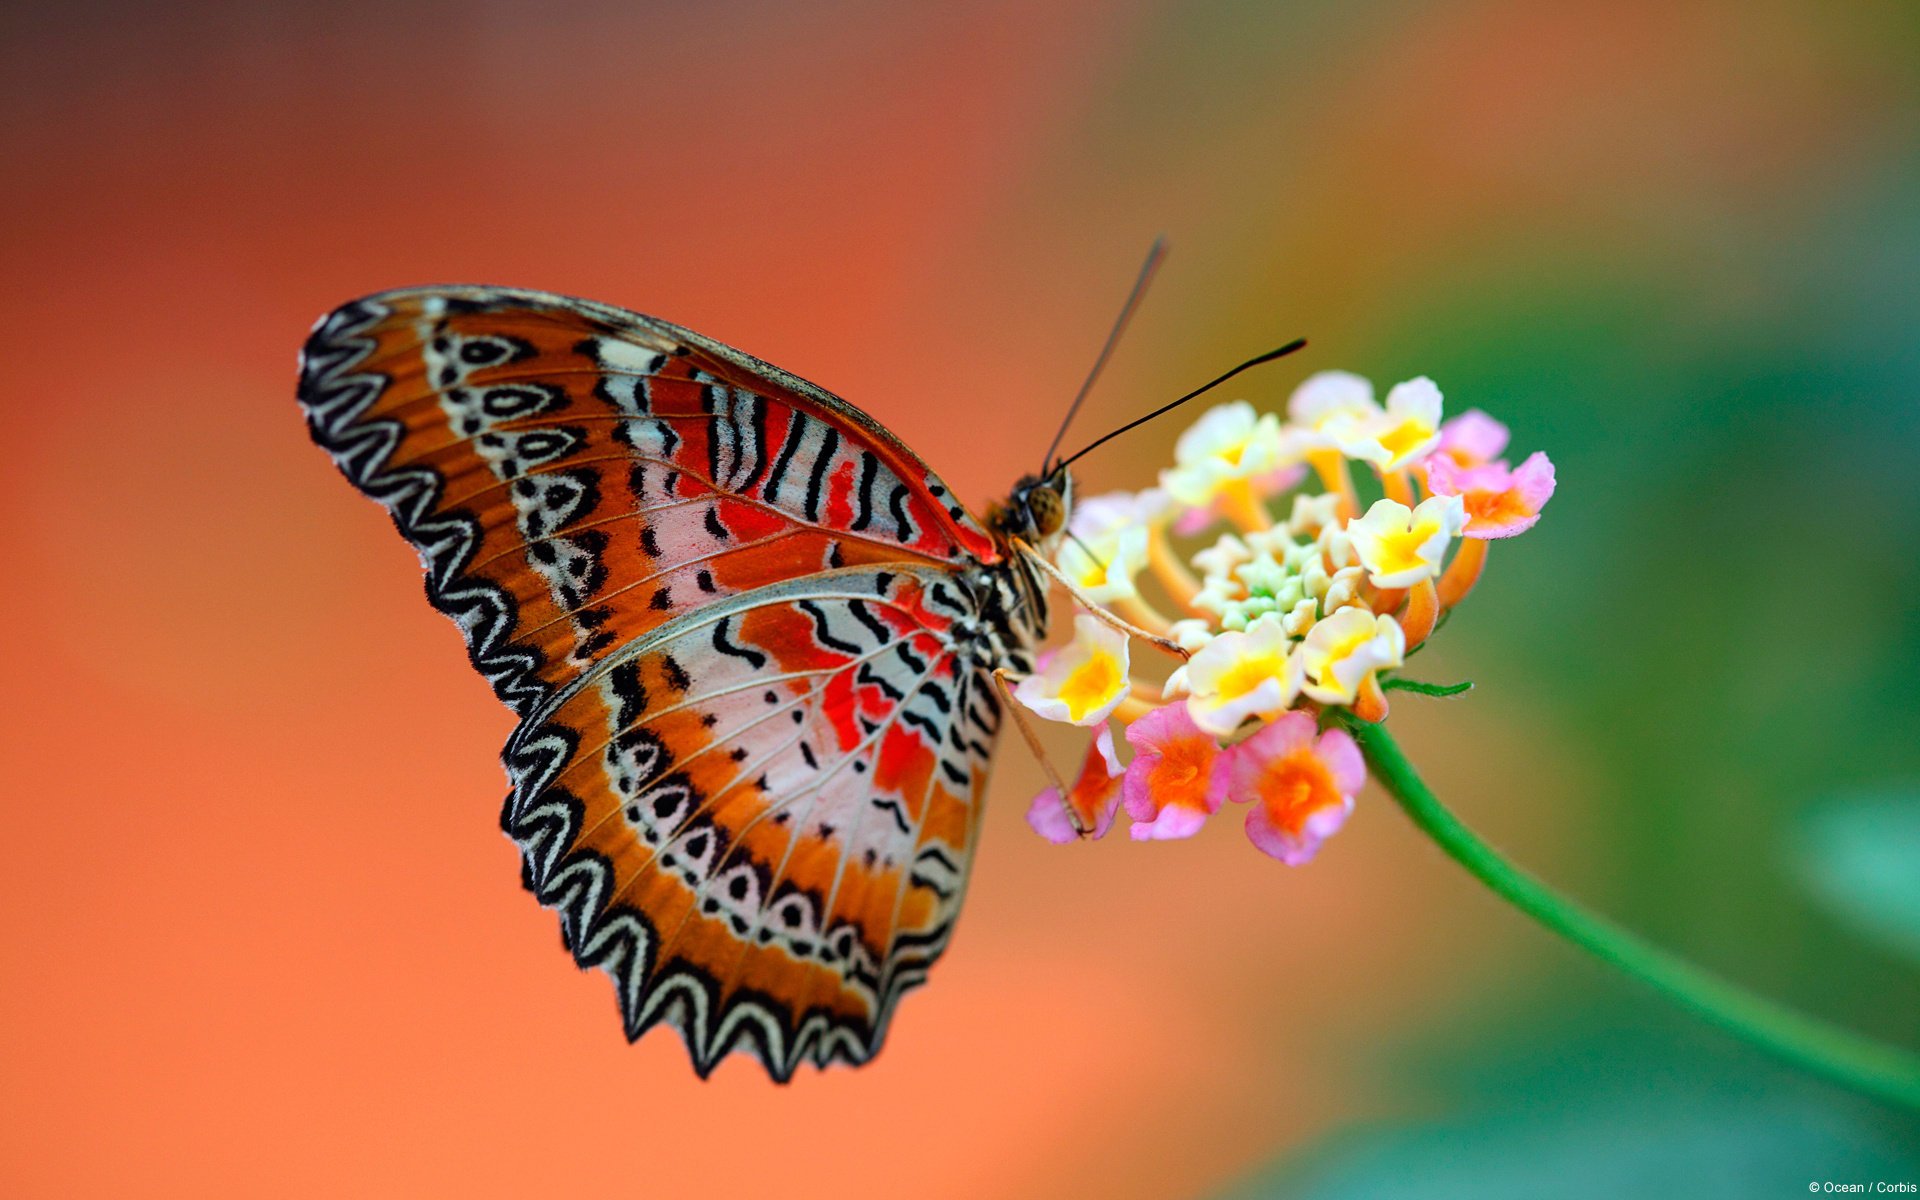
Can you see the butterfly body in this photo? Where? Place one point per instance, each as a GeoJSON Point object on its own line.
{"type": "Point", "coordinates": [749, 636]}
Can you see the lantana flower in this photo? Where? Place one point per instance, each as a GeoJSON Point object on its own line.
{"type": "Point", "coordinates": [1232, 456]}
{"type": "Point", "coordinates": [1281, 651]}
{"type": "Point", "coordinates": [1340, 653]}
{"type": "Point", "coordinates": [1108, 548]}
{"type": "Point", "coordinates": [1237, 676]}
{"type": "Point", "coordinates": [1336, 409]}
{"type": "Point", "coordinates": [1498, 502]}
{"type": "Point", "coordinates": [1084, 681]}
{"type": "Point", "coordinates": [1312, 514]}
{"type": "Point", "coordinates": [1471, 439]}
{"type": "Point", "coordinates": [1177, 778]}
{"type": "Point", "coordinates": [1404, 433]}
{"type": "Point", "coordinates": [1298, 611]}
{"type": "Point", "coordinates": [1327, 403]}
{"type": "Point", "coordinates": [1299, 789]}
{"type": "Point", "coordinates": [1400, 546]}
{"type": "Point", "coordinates": [1247, 578]}
{"type": "Point", "coordinates": [1093, 797]}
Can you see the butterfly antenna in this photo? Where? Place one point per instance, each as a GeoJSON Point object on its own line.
{"type": "Point", "coordinates": [1088, 551]}
{"type": "Point", "coordinates": [1155, 253]}
{"type": "Point", "coordinates": [1202, 390]}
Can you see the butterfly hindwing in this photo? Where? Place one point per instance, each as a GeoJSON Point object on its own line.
{"type": "Point", "coordinates": [741, 624]}
{"type": "Point", "coordinates": [759, 817]}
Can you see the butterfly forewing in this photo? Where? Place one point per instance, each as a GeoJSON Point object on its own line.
{"type": "Point", "coordinates": [574, 475]}
{"type": "Point", "coordinates": [741, 624]}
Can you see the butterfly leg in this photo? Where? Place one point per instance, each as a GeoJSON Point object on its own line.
{"type": "Point", "coordinates": [1099, 612]}
{"type": "Point", "coordinates": [1000, 677]}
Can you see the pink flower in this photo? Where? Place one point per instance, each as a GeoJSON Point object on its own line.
{"type": "Point", "coordinates": [1301, 790]}
{"type": "Point", "coordinates": [1500, 501]}
{"type": "Point", "coordinates": [1094, 796]}
{"type": "Point", "coordinates": [1177, 778]}
{"type": "Point", "coordinates": [1471, 439]}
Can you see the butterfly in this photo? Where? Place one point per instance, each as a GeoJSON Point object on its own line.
{"type": "Point", "coordinates": [749, 635]}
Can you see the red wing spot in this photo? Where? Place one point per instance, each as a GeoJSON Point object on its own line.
{"type": "Point", "coordinates": [912, 597]}
{"type": "Point", "coordinates": [876, 703]}
{"type": "Point", "coordinates": [979, 546]}
{"type": "Point", "coordinates": [679, 397]}
{"type": "Point", "coordinates": [838, 704]}
{"type": "Point", "coordinates": [839, 496]}
{"type": "Point", "coordinates": [901, 752]}
{"type": "Point", "coordinates": [683, 486]}
{"type": "Point", "coordinates": [788, 634]}
{"type": "Point", "coordinates": [750, 522]}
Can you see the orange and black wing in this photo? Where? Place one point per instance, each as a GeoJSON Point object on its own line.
{"type": "Point", "coordinates": [573, 475]}
{"type": "Point", "coordinates": [759, 817]}
{"type": "Point", "coordinates": [738, 621]}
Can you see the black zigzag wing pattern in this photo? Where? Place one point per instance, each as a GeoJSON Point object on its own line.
{"type": "Point", "coordinates": [335, 394]}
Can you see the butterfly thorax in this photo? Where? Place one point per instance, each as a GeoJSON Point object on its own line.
{"type": "Point", "coordinates": [1013, 592]}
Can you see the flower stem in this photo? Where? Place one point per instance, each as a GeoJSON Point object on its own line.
{"type": "Point", "coordinates": [1887, 1072]}
{"type": "Point", "coordinates": [1171, 572]}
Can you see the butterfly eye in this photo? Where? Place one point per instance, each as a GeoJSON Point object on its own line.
{"type": "Point", "coordinates": [1048, 510]}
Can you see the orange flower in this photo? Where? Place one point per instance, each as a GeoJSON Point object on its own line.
{"type": "Point", "coordinates": [1093, 797]}
{"type": "Point", "coordinates": [1301, 790]}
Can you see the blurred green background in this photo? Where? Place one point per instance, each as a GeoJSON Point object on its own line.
{"type": "Point", "coordinates": [1677, 246]}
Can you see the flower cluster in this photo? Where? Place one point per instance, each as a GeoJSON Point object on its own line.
{"type": "Point", "coordinates": [1279, 618]}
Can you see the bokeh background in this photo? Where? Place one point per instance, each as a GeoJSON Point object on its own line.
{"type": "Point", "coordinates": [261, 934]}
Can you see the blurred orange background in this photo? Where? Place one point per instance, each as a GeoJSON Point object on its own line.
{"type": "Point", "coordinates": [263, 936]}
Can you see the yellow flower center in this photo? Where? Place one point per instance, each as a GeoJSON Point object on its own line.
{"type": "Point", "coordinates": [1401, 551]}
{"type": "Point", "coordinates": [1338, 653]}
{"type": "Point", "coordinates": [1250, 672]}
{"type": "Point", "coordinates": [1090, 685]}
{"type": "Point", "coordinates": [1402, 438]}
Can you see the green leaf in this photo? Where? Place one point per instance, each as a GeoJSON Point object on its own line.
{"type": "Point", "coordinates": [1860, 858]}
{"type": "Point", "coordinates": [1418, 688]}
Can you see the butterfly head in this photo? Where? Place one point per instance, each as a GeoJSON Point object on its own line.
{"type": "Point", "coordinates": [1036, 512]}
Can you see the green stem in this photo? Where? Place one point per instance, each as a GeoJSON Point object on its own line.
{"type": "Point", "coordinates": [1890, 1073]}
